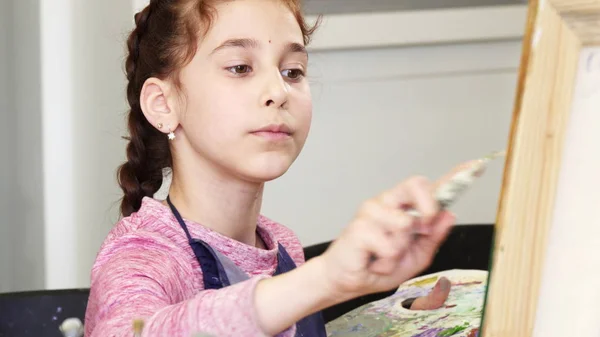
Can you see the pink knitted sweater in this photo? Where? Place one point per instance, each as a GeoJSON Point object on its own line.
{"type": "Point", "coordinates": [146, 269]}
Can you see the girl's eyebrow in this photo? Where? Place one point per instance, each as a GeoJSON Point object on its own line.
{"type": "Point", "coordinates": [237, 43]}
{"type": "Point", "coordinates": [247, 43]}
{"type": "Point", "coordinates": [295, 47]}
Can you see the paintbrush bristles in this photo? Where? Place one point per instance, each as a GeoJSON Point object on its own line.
{"type": "Point", "coordinates": [495, 155]}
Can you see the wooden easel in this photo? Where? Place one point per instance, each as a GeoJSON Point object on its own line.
{"type": "Point", "coordinates": [546, 223]}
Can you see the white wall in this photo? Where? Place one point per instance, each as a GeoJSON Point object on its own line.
{"type": "Point", "coordinates": [21, 230]}
{"type": "Point", "coordinates": [27, 198]}
{"type": "Point", "coordinates": [6, 152]}
{"type": "Point", "coordinates": [84, 107]}
{"type": "Point", "coordinates": [60, 230]}
{"type": "Point", "coordinates": [99, 122]}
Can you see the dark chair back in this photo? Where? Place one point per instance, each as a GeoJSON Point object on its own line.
{"type": "Point", "coordinates": [40, 313]}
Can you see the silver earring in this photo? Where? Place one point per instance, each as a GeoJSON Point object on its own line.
{"type": "Point", "coordinates": [159, 125]}
{"type": "Point", "coordinates": [171, 133]}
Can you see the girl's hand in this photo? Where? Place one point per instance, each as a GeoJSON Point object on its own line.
{"type": "Point", "coordinates": [402, 245]}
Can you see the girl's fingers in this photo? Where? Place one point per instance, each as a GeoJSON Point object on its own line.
{"type": "Point", "coordinates": [415, 193]}
{"type": "Point", "coordinates": [394, 220]}
{"type": "Point", "coordinates": [440, 229]}
{"type": "Point", "coordinates": [383, 247]}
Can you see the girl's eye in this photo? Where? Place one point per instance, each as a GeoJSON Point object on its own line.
{"type": "Point", "coordinates": [294, 74]}
{"type": "Point", "coordinates": [240, 69]}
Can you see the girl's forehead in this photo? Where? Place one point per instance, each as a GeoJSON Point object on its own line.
{"type": "Point", "coordinates": [256, 19]}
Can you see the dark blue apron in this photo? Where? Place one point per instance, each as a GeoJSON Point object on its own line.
{"type": "Point", "coordinates": [218, 271]}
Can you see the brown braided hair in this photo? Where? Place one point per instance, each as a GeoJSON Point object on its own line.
{"type": "Point", "coordinates": [164, 40]}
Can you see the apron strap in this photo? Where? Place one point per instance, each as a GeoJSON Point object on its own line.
{"type": "Point", "coordinates": [213, 275]}
{"type": "Point", "coordinates": [312, 325]}
{"type": "Point", "coordinates": [285, 262]}
{"type": "Point", "coordinates": [179, 220]}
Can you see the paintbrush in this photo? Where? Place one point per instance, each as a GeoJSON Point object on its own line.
{"type": "Point", "coordinates": [449, 192]}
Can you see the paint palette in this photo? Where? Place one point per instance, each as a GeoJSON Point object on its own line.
{"type": "Point", "coordinates": [460, 316]}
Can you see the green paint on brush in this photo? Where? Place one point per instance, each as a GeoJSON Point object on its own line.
{"type": "Point", "coordinates": [452, 331]}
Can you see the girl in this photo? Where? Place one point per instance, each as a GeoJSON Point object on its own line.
{"type": "Point", "coordinates": [218, 92]}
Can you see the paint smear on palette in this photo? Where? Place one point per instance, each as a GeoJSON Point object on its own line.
{"type": "Point", "coordinates": [459, 317]}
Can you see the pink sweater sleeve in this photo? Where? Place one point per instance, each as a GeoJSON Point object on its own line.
{"type": "Point", "coordinates": [137, 280]}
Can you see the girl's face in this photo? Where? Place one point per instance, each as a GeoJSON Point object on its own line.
{"type": "Point", "coordinates": [247, 106]}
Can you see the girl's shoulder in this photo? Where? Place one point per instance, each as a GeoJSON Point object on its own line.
{"type": "Point", "coordinates": [148, 227]}
{"type": "Point", "coordinates": [152, 219]}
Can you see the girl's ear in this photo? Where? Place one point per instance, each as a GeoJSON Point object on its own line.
{"type": "Point", "coordinates": [156, 103]}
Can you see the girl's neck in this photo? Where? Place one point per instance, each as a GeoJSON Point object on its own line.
{"type": "Point", "coordinates": [217, 201]}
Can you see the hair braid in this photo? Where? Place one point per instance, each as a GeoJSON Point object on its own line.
{"type": "Point", "coordinates": [148, 149]}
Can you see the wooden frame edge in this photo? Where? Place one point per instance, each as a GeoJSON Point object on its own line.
{"type": "Point", "coordinates": [542, 107]}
